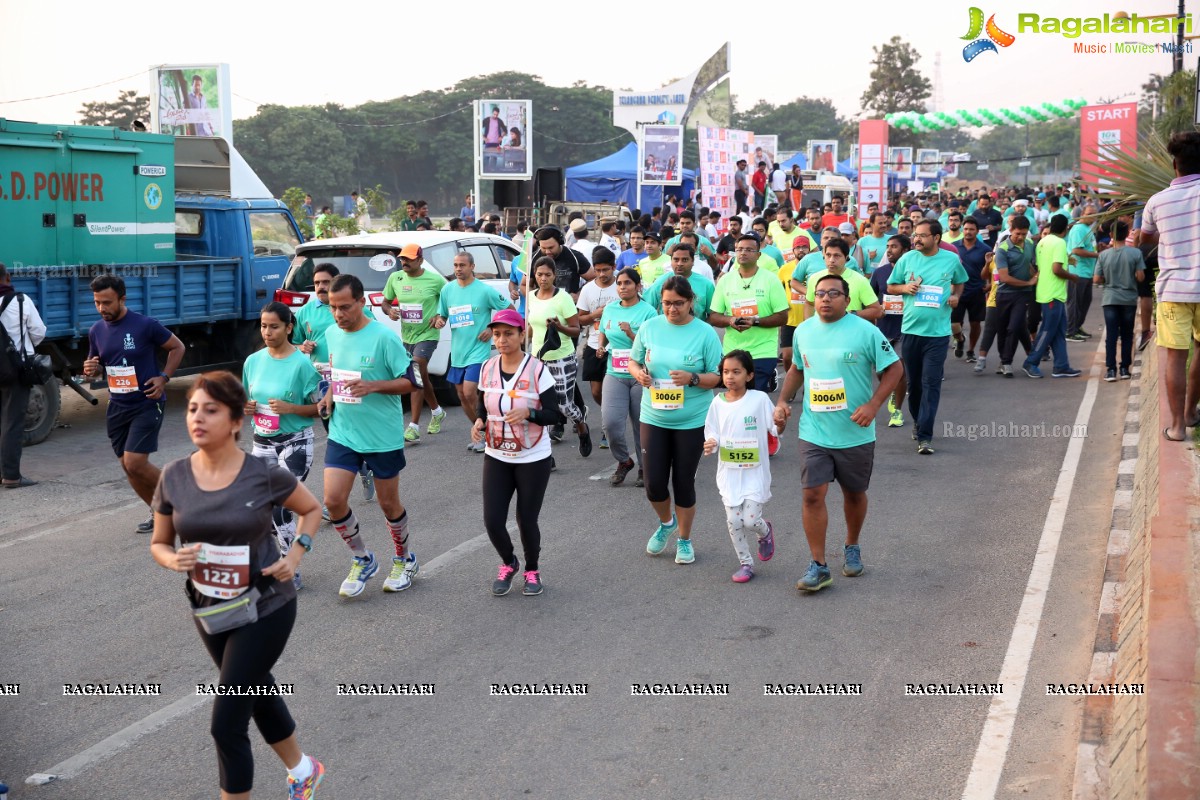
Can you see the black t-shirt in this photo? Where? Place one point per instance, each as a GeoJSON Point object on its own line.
{"type": "Point", "coordinates": [239, 514]}
{"type": "Point", "coordinates": [986, 218]}
{"type": "Point", "coordinates": [569, 268]}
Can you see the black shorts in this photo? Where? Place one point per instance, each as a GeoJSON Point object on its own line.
{"type": "Point", "coordinates": [593, 367]}
{"type": "Point", "coordinates": [787, 335]}
{"type": "Point", "coordinates": [850, 466]}
{"type": "Point", "coordinates": [974, 306]}
{"type": "Point", "coordinates": [1146, 288]}
{"type": "Point", "coordinates": [134, 429]}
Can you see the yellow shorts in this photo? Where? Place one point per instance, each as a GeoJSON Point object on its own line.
{"type": "Point", "coordinates": [1178, 325]}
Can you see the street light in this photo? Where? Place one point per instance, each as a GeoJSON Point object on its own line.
{"type": "Point", "coordinates": [1181, 16]}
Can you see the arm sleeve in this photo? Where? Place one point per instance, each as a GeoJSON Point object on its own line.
{"type": "Point", "coordinates": [883, 353]}
{"type": "Point", "coordinates": [159, 334]}
{"type": "Point", "coordinates": [711, 422]}
{"type": "Point", "coordinates": [161, 502]}
{"type": "Point", "coordinates": [777, 298]}
{"type": "Point", "coordinates": [35, 328]}
{"type": "Point", "coordinates": [1148, 216]}
{"type": "Point", "coordinates": [866, 295]}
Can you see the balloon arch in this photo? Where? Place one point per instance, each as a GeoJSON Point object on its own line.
{"type": "Point", "coordinates": [982, 117]}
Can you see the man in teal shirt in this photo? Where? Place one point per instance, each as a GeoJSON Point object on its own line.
{"type": "Point", "coordinates": [1081, 245]}
{"type": "Point", "coordinates": [931, 280]}
{"type": "Point", "coordinates": [836, 357]}
{"type": "Point", "coordinates": [682, 263]}
{"type": "Point", "coordinates": [314, 317]}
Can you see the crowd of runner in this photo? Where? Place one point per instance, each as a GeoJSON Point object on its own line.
{"type": "Point", "coordinates": [678, 334]}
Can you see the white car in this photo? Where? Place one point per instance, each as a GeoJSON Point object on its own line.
{"type": "Point", "coordinates": [352, 255]}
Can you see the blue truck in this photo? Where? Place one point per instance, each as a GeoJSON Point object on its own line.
{"type": "Point", "coordinates": [199, 241]}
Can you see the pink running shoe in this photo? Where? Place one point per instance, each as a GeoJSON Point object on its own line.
{"type": "Point", "coordinates": [766, 545]}
{"type": "Point", "coordinates": [307, 788]}
{"type": "Point", "coordinates": [745, 572]}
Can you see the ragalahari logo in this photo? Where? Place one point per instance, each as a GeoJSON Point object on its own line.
{"type": "Point", "coordinates": [995, 36]}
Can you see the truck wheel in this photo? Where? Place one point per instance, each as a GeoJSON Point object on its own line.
{"type": "Point", "coordinates": [42, 413]}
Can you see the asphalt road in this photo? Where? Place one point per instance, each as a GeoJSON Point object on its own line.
{"type": "Point", "coordinates": [948, 546]}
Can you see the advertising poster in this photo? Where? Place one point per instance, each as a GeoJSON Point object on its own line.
{"type": "Point", "coordinates": [1102, 130]}
{"type": "Point", "coordinates": [928, 162]}
{"type": "Point", "coordinates": [720, 150]}
{"type": "Point", "coordinates": [504, 139]}
{"type": "Point", "coordinates": [192, 100]}
{"type": "Point", "coordinates": [900, 161]}
{"type": "Point", "coordinates": [822, 154]}
{"type": "Point", "coordinates": [661, 155]}
{"type": "Point", "coordinates": [766, 148]}
{"type": "Point", "coordinates": [872, 144]}
{"type": "Point", "coordinates": [949, 164]}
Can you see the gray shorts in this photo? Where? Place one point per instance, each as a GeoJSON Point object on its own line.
{"type": "Point", "coordinates": [421, 350]}
{"type": "Point", "coordinates": [849, 466]}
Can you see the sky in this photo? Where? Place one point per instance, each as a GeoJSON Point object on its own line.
{"type": "Point", "coordinates": [370, 50]}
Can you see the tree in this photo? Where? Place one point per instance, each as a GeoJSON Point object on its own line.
{"type": "Point", "coordinates": [896, 85]}
{"type": "Point", "coordinates": [795, 123]}
{"type": "Point", "coordinates": [119, 113]}
{"type": "Point", "coordinates": [1166, 104]}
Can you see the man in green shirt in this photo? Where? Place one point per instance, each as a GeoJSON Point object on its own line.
{"type": "Point", "coordinates": [1081, 244]}
{"type": "Point", "coordinates": [466, 304]}
{"type": "Point", "coordinates": [1051, 295]}
{"type": "Point", "coordinates": [863, 300]}
{"type": "Point", "coordinates": [656, 262]}
{"type": "Point", "coordinates": [752, 304]}
{"type": "Point", "coordinates": [410, 224]}
{"type": "Point", "coordinates": [931, 280]}
{"type": "Point", "coordinates": [411, 297]}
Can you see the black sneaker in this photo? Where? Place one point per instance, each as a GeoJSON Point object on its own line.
{"type": "Point", "coordinates": [925, 448]}
{"type": "Point", "coordinates": [533, 584]}
{"type": "Point", "coordinates": [1124, 374]}
{"type": "Point", "coordinates": [1110, 376]}
{"type": "Point", "coordinates": [585, 440]}
{"type": "Point", "coordinates": [146, 526]}
{"type": "Point", "coordinates": [504, 578]}
{"type": "Point", "coordinates": [639, 482]}
{"type": "Point", "coordinates": [971, 357]}
{"type": "Point", "coordinates": [958, 346]}
{"type": "Point", "coordinates": [556, 433]}
{"type": "Point", "coordinates": [623, 469]}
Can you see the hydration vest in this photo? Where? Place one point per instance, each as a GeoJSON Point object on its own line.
{"type": "Point", "coordinates": [500, 397]}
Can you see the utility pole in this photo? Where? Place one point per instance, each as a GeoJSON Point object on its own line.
{"type": "Point", "coordinates": [1177, 61]}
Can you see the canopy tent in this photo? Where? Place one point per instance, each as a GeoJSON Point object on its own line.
{"type": "Point", "coordinates": [613, 179]}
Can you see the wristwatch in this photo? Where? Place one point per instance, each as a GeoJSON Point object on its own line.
{"type": "Point", "coordinates": [695, 380]}
{"type": "Point", "coordinates": [305, 541]}
{"type": "Point", "coordinates": [754, 322]}
{"type": "Point", "coordinates": [165, 376]}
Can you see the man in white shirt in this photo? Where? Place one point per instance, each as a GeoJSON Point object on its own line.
{"type": "Point", "coordinates": [21, 320]}
{"type": "Point", "coordinates": [779, 184]}
{"type": "Point", "coordinates": [608, 237]}
{"type": "Point", "coordinates": [582, 244]}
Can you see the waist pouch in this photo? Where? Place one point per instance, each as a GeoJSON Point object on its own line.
{"type": "Point", "coordinates": [231, 614]}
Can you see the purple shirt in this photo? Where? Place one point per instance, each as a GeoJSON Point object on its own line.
{"type": "Point", "coordinates": [131, 341]}
{"type": "Point", "coordinates": [1174, 214]}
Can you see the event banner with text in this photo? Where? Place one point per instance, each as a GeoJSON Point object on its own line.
{"type": "Point", "coordinates": [1102, 130]}
{"type": "Point", "coordinates": [872, 175]}
{"type": "Point", "coordinates": [720, 149]}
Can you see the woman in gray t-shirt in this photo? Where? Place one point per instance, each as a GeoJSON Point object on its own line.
{"type": "Point", "coordinates": [219, 502]}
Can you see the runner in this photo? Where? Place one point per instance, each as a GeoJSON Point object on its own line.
{"type": "Point", "coordinates": [976, 256]}
{"type": "Point", "coordinates": [676, 357]}
{"type": "Point", "coordinates": [682, 263]}
{"type": "Point", "coordinates": [370, 370]}
{"type": "Point", "coordinates": [123, 344]}
{"type": "Point", "coordinates": [219, 502]}
{"type": "Point", "coordinates": [836, 442]}
{"type": "Point", "coordinates": [931, 279]}
{"type": "Point", "coordinates": [795, 292]}
{"type": "Point", "coordinates": [656, 262]}
{"type": "Point", "coordinates": [863, 300]}
{"type": "Point", "coordinates": [813, 263]}
{"type": "Point", "coordinates": [1012, 287]}
{"type": "Point", "coordinates": [737, 425]}
{"type": "Point", "coordinates": [554, 320]}
{"type": "Point", "coordinates": [750, 302]}
{"type": "Point", "coordinates": [1081, 243]}
{"type": "Point", "coordinates": [519, 401]}
{"type": "Point", "coordinates": [593, 297]}
{"type": "Point", "coordinates": [619, 325]}
{"type": "Point", "coordinates": [1051, 295]}
{"type": "Point", "coordinates": [283, 389]}
{"type": "Point", "coordinates": [889, 323]}
{"type": "Point", "coordinates": [636, 251]}
{"type": "Point", "coordinates": [874, 243]}
{"type": "Point", "coordinates": [467, 305]}
{"type": "Point", "coordinates": [411, 296]}
{"type": "Point", "coordinates": [1119, 270]}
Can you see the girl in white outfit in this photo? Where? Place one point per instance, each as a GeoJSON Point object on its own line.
{"type": "Point", "coordinates": [737, 428]}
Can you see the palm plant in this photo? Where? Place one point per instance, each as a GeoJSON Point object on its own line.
{"type": "Point", "coordinates": [1132, 178]}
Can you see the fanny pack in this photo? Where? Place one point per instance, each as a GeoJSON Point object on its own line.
{"type": "Point", "coordinates": [229, 615]}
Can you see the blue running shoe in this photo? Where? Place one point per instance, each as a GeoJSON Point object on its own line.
{"type": "Point", "coordinates": [361, 570]}
{"type": "Point", "coordinates": [658, 542]}
{"type": "Point", "coordinates": [853, 566]}
{"type": "Point", "coordinates": [815, 579]}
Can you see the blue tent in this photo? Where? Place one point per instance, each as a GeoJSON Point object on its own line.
{"type": "Point", "coordinates": [613, 179]}
{"type": "Point", "coordinates": [798, 159]}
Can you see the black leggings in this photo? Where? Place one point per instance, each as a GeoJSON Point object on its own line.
{"type": "Point", "coordinates": [529, 481]}
{"type": "Point", "coordinates": [674, 454]}
{"type": "Point", "coordinates": [245, 656]}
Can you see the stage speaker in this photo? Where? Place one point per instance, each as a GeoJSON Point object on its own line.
{"type": "Point", "coordinates": [548, 184]}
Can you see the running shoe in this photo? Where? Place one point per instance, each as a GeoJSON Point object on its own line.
{"type": "Point", "coordinates": [1083, 333]}
{"type": "Point", "coordinates": [980, 365]}
{"type": "Point", "coordinates": [623, 469]}
{"type": "Point", "coordinates": [362, 569]}
{"type": "Point", "coordinates": [1066, 373]}
{"type": "Point", "coordinates": [1006, 370]}
{"type": "Point", "coordinates": [403, 570]}
{"type": "Point", "coordinates": [307, 788]}
{"type": "Point", "coordinates": [658, 542]}
{"type": "Point", "coordinates": [895, 417]}
{"type": "Point", "coordinates": [1124, 375]}
{"type": "Point", "coordinates": [1076, 337]}
{"type": "Point", "coordinates": [435, 422]}
{"type": "Point", "coordinates": [477, 447]}
{"type": "Point", "coordinates": [971, 359]}
{"type": "Point", "coordinates": [815, 579]}
{"type": "Point", "coordinates": [1032, 371]}
{"type": "Point", "coordinates": [533, 585]}
{"type": "Point", "coordinates": [925, 448]}
{"type": "Point", "coordinates": [959, 342]}
{"type": "Point", "coordinates": [368, 483]}
{"type": "Point", "coordinates": [1110, 376]}
{"type": "Point", "coordinates": [585, 440]}
{"type": "Point", "coordinates": [766, 544]}
{"type": "Point", "coordinates": [412, 434]}
{"type": "Point", "coordinates": [684, 554]}
{"type": "Point", "coordinates": [557, 432]}
{"type": "Point", "coordinates": [146, 525]}
{"type": "Point", "coordinates": [504, 578]}
{"type": "Point", "coordinates": [325, 513]}
{"type": "Point", "coordinates": [745, 572]}
{"type": "Point", "coordinates": [853, 566]}
{"type": "Point", "coordinates": [773, 444]}
{"type": "Point", "coordinates": [604, 441]}
{"type": "Point", "coordinates": [639, 482]}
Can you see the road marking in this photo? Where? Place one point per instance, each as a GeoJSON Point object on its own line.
{"type": "Point", "coordinates": [600, 476]}
{"type": "Point", "coordinates": [120, 740]}
{"type": "Point", "coordinates": [460, 550]}
{"type": "Point", "coordinates": [984, 778]}
{"type": "Point", "coordinates": [75, 524]}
